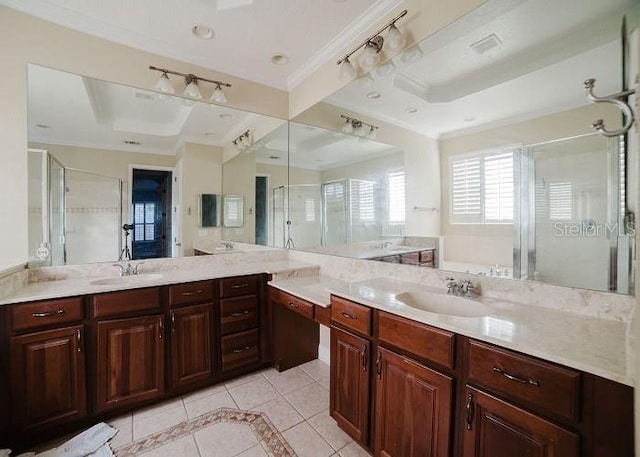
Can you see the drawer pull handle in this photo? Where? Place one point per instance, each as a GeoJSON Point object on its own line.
{"type": "Point", "coordinates": [293, 305]}
{"type": "Point", "coordinates": [237, 351]}
{"type": "Point", "coordinates": [530, 382]}
{"type": "Point", "coordinates": [49, 313]}
{"type": "Point", "coordinates": [348, 316]}
{"type": "Point", "coordinates": [192, 293]}
{"type": "Point", "coordinates": [241, 313]}
{"type": "Point", "coordinates": [379, 365]}
{"type": "Point", "coordinates": [469, 411]}
{"type": "Point", "coordinates": [240, 286]}
{"type": "Point", "coordinates": [79, 340]}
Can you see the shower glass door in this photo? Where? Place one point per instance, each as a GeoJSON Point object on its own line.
{"type": "Point", "coordinates": [57, 189]}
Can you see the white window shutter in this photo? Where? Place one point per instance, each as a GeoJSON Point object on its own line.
{"type": "Point", "coordinates": [465, 190]}
{"type": "Point", "coordinates": [498, 188]}
{"type": "Point", "coordinates": [396, 197]}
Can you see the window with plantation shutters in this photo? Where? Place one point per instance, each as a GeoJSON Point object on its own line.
{"type": "Point", "coordinates": [482, 188]}
{"type": "Point", "coordinates": [396, 197]}
{"type": "Point", "coordinates": [362, 201]}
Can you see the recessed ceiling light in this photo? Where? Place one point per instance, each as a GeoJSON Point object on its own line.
{"type": "Point", "coordinates": [204, 32]}
{"type": "Point", "coordinates": [373, 95]}
{"type": "Point", "coordinates": [279, 59]}
{"type": "Point", "coordinates": [469, 119]}
{"type": "Point", "coordinates": [411, 110]}
{"type": "Point", "coordinates": [226, 116]}
{"type": "Point", "coordinates": [43, 126]}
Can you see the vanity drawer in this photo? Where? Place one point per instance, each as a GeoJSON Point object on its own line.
{"type": "Point", "coordinates": [237, 314]}
{"type": "Point", "coordinates": [45, 313]}
{"type": "Point", "coordinates": [412, 258]}
{"type": "Point", "coordinates": [127, 301]}
{"type": "Point", "coordinates": [426, 342]}
{"type": "Point", "coordinates": [240, 285]}
{"type": "Point", "coordinates": [540, 385]}
{"type": "Point", "coordinates": [296, 304]}
{"type": "Point", "coordinates": [191, 292]}
{"type": "Point", "coordinates": [239, 350]}
{"type": "Point", "coordinates": [426, 256]}
{"type": "Point", "coordinates": [351, 315]}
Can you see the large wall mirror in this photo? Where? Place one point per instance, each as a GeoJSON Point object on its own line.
{"type": "Point", "coordinates": [117, 172]}
{"type": "Point", "coordinates": [503, 174]}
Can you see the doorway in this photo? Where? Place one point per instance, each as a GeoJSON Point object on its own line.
{"type": "Point", "coordinates": [151, 213]}
{"type": "Point", "coordinates": [262, 210]}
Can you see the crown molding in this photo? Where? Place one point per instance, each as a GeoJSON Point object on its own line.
{"type": "Point", "coordinates": [354, 30]}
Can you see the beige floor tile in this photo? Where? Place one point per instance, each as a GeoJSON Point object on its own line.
{"type": "Point", "coordinates": [210, 403]}
{"type": "Point", "coordinates": [202, 393]}
{"type": "Point", "coordinates": [317, 369]}
{"type": "Point", "coordinates": [306, 442]}
{"type": "Point", "coordinates": [254, 393]}
{"type": "Point", "coordinates": [309, 400]}
{"type": "Point", "coordinates": [157, 422]}
{"type": "Point", "coordinates": [243, 380]}
{"type": "Point", "coordinates": [329, 430]}
{"type": "Point", "coordinates": [183, 447]}
{"type": "Point", "coordinates": [256, 451]}
{"type": "Point", "coordinates": [225, 440]}
{"type": "Point", "coordinates": [157, 409]}
{"type": "Point", "coordinates": [353, 450]}
{"type": "Point", "coordinates": [124, 435]}
{"type": "Point", "coordinates": [120, 420]}
{"type": "Point", "coordinates": [325, 382]}
{"type": "Point", "coordinates": [289, 380]}
{"type": "Point", "coordinates": [280, 413]}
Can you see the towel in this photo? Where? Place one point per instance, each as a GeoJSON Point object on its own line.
{"type": "Point", "coordinates": [90, 443]}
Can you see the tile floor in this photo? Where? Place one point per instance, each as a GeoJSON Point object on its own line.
{"type": "Point", "coordinates": [296, 401]}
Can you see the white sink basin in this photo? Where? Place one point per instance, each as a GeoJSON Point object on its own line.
{"type": "Point", "coordinates": [445, 304]}
{"type": "Point", "coordinates": [133, 279]}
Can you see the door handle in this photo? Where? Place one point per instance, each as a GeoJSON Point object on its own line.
{"type": "Point", "coordinates": [379, 365]}
{"type": "Point", "coordinates": [469, 411]}
{"type": "Point", "coordinates": [363, 358]}
{"type": "Point", "coordinates": [79, 339]}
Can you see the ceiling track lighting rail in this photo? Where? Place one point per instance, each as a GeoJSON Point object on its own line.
{"type": "Point", "coordinates": [191, 85]}
{"type": "Point", "coordinates": [373, 45]}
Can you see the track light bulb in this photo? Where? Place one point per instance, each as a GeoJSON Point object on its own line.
{"type": "Point", "coordinates": [395, 40]}
{"type": "Point", "coordinates": [371, 54]}
{"type": "Point", "coordinates": [218, 95]}
{"type": "Point", "coordinates": [164, 85]}
{"type": "Point", "coordinates": [372, 134]}
{"type": "Point", "coordinates": [192, 90]}
{"type": "Point", "coordinates": [347, 71]}
{"type": "Point", "coordinates": [360, 130]}
{"type": "Point", "coordinates": [347, 127]}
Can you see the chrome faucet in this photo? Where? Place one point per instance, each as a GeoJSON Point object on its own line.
{"type": "Point", "coordinates": [128, 269]}
{"type": "Point", "coordinates": [464, 288]}
{"type": "Point", "coordinates": [227, 244]}
{"type": "Point", "coordinates": [385, 244]}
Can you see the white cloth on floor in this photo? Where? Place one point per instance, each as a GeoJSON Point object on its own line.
{"type": "Point", "coordinates": [5, 452]}
{"type": "Point", "coordinates": [90, 443]}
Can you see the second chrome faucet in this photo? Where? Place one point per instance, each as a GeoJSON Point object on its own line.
{"type": "Point", "coordinates": [463, 288]}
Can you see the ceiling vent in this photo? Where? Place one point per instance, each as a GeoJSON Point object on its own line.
{"type": "Point", "coordinates": [486, 44]}
{"type": "Point", "coordinates": [143, 96]}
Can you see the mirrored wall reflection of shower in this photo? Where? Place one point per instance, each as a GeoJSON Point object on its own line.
{"type": "Point", "coordinates": [75, 216]}
{"type": "Point", "coordinates": [576, 205]}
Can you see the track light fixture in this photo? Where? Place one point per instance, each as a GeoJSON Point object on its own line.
{"type": "Point", "coordinates": [359, 128]}
{"type": "Point", "coordinates": [244, 141]}
{"type": "Point", "coordinates": [192, 90]}
{"type": "Point", "coordinates": [373, 45]}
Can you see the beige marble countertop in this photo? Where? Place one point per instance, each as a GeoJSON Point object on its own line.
{"type": "Point", "coordinates": [44, 290]}
{"type": "Point", "coordinates": [586, 343]}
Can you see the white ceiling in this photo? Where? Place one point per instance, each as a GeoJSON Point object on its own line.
{"type": "Point", "coordinates": [247, 32]}
{"type": "Point", "coordinates": [547, 49]}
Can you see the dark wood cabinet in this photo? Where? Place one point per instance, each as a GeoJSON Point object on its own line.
{"type": "Point", "coordinates": [129, 360]}
{"type": "Point", "coordinates": [48, 377]}
{"type": "Point", "coordinates": [495, 428]}
{"type": "Point", "coordinates": [350, 383]}
{"type": "Point", "coordinates": [191, 350]}
{"type": "Point", "coordinates": [413, 409]}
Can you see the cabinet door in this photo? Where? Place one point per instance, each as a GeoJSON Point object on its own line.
{"type": "Point", "coordinates": [191, 356]}
{"type": "Point", "coordinates": [495, 428]}
{"type": "Point", "coordinates": [413, 408]}
{"type": "Point", "coordinates": [349, 383]}
{"type": "Point", "coordinates": [48, 377]}
{"type": "Point", "coordinates": [130, 361]}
